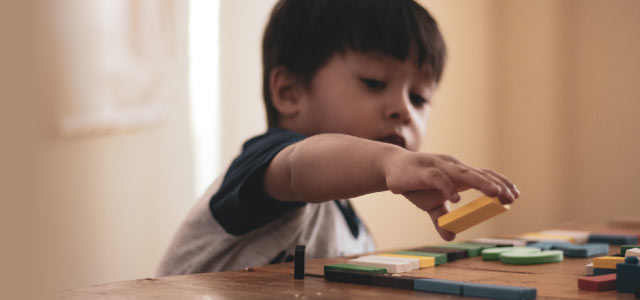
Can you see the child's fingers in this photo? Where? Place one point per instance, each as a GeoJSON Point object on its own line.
{"type": "Point", "coordinates": [512, 187]}
{"type": "Point", "coordinates": [435, 214]}
{"type": "Point", "coordinates": [465, 175]}
{"type": "Point", "coordinates": [436, 178]}
{"type": "Point", "coordinates": [426, 200]}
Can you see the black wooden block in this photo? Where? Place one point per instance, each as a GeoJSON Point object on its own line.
{"type": "Point", "coordinates": [452, 254]}
{"type": "Point", "coordinates": [350, 277]}
{"type": "Point", "coordinates": [298, 263]}
{"type": "Point", "coordinates": [388, 280]}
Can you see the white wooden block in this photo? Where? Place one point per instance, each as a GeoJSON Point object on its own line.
{"type": "Point", "coordinates": [589, 268]}
{"type": "Point", "coordinates": [498, 241]}
{"type": "Point", "coordinates": [632, 252]}
{"type": "Point", "coordinates": [392, 264]}
{"type": "Point", "coordinates": [580, 237]}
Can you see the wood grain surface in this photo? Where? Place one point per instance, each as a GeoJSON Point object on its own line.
{"type": "Point", "coordinates": [553, 281]}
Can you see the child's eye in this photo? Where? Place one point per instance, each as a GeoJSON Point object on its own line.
{"type": "Point", "coordinates": [417, 100]}
{"type": "Point", "coordinates": [373, 83]}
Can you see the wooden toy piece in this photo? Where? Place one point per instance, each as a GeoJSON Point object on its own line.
{"type": "Point", "coordinates": [632, 252]}
{"type": "Point", "coordinates": [298, 262]}
{"type": "Point", "coordinates": [425, 261]}
{"type": "Point", "coordinates": [601, 271]}
{"type": "Point", "coordinates": [392, 264]}
{"type": "Point", "coordinates": [472, 249]}
{"type": "Point", "coordinates": [523, 258]}
{"type": "Point", "coordinates": [440, 258]}
{"type": "Point", "coordinates": [628, 275]}
{"type": "Point", "coordinates": [579, 237]}
{"type": "Point", "coordinates": [583, 250]}
{"type": "Point", "coordinates": [624, 248]}
{"type": "Point", "coordinates": [607, 262]}
{"type": "Point", "coordinates": [349, 277]}
{"type": "Point", "coordinates": [393, 281]}
{"type": "Point", "coordinates": [355, 268]}
{"type": "Point", "coordinates": [471, 214]}
{"type": "Point", "coordinates": [500, 242]}
{"type": "Point", "coordinates": [492, 291]}
{"type": "Point", "coordinates": [544, 245]}
{"type": "Point", "coordinates": [615, 239]}
{"type": "Point", "coordinates": [438, 286]}
{"type": "Point", "coordinates": [589, 269]}
{"type": "Point", "coordinates": [494, 253]}
{"type": "Point", "coordinates": [452, 254]}
{"type": "Point", "coordinates": [544, 237]}
{"type": "Point", "coordinates": [597, 283]}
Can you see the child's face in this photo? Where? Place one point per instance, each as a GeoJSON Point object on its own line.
{"type": "Point", "coordinates": [371, 96]}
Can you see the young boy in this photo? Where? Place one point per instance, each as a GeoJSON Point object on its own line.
{"type": "Point", "coordinates": [347, 89]}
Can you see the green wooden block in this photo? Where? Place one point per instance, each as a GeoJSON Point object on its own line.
{"type": "Point", "coordinates": [495, 253]}
{"type": "Point", "coordinates": [440, 258]}
{"type": "Point", "coordinates": [473, 249]}
{"type": "Point", "coordinates": [355, 268]}
{"type": "Point", "coordinates": [523, 258]}
{"type": "Point", "coordinates": [624, 248]}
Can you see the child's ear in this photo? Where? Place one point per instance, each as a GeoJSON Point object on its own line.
{"type": "Point", "coordinates": [285, 92]}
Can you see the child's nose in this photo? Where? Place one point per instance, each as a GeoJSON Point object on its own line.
{"type": "Point", "coordinates": [398, 109]}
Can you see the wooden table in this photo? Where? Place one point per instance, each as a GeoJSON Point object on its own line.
{"type": "Point", "coordinates": [553, 281]}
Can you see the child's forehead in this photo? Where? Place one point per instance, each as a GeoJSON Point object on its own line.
{"type": "Point", "coordinates": [379, 60]}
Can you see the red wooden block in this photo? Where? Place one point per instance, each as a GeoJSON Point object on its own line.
{"type": "Point", "coordinates": [597, 283]}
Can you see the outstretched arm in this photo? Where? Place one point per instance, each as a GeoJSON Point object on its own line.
{"type": "Point", "coordinates": [336, 166]}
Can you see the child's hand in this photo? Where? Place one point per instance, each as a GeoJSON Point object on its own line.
{"type": "Point", "coordinates": [428, 180]}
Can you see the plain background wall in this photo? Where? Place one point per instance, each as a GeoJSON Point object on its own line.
{"type": "Point", "coordinates": [543, 91]}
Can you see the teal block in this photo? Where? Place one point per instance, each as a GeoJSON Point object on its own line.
{"type": "Point", "coordinates": [438, 286]}
{"type": "Point", "coordinates": [628, 275]}
{"type": "Point", "coordinates": [497, 291]}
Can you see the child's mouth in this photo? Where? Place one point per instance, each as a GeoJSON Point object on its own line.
{"type": "Point", "coordinates": [395, 139]}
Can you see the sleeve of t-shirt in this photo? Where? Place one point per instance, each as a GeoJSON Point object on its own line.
{"type": "Point", "coordinates": [241, 205]}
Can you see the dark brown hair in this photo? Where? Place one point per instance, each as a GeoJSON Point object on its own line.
{"type": "Point", "coordinates": [302, 35]}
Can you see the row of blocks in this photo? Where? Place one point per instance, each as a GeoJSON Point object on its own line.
{"type": "Point", "coordinates": [378, 277]}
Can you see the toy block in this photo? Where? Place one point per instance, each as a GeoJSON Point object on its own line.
{"type": "Point", "coordinates": [624, 248]}
{"type": "Point", "coordinates": [607, 262]}
{"type": "Point", "coordinates": [615, 239]}
{"type": "Point", "coordinates": [440, 258]}
{"type": "Point", "coordinates": [545, 237]}
{"type": "Point", "coordinates": [452, 254]}
{"type": "Point", "coordinates": [589, 269]}
{"type": "Point", "coordinates": [628, 275]}
{"type": "Point", "coordinates": [425, 261]}
{"type": "Point", "coordinates": [579, 237]}
{"type": "Point", "coordinates": [597, 283]}
{"type": "Point", "coordinates": [524, 258]}
{"type": "Point", "coordinates": [494, 253]}
{"type": "Point", "coordinates": [355, 268]}
{"type": "Point", "coordinates": [500, 242]}
{"type": "Point", "coordinates": [544, 245]}
{"type": "Point", "coordinates": [393, 281]}
{"type": "Point", "coordinates": [492, 291]}
{"type": "Point", "coordinates": [392, 264]}
{"type": "Point", "coordinates": [471, 214]}
{"type": "Point", "coordinates": [601, 271]}
{"type": "Point", "coordinates": [348, 277]}
{"type": "Point", "coordinates": [438, 286]}
{"type": "Point", "coordinates": [632, 252]}
{"type": "Point", "coordinates": [298, 263]}
{"type": "Point", "coordinates": [472, 249]}
{"type": "Point", "coordinates": [583, 250]}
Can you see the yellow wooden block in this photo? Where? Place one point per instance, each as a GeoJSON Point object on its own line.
{"type": "Point", "coordinates": [607, 262]}
{"type": "Point", "coordinates": [471, 214]}
{"type": "Point", "coordinates": [540, 236]}
{"type": "Point", "coordinates": [425, 261]}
